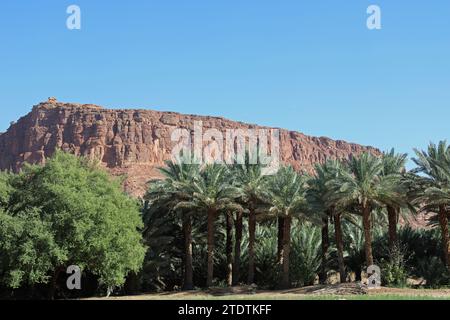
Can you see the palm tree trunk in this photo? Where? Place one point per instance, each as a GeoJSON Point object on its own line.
{"type": "Point", "coordinates": [251, 246]}
{"type": "Point", "coordinates": [358, 272]}
{"type": "Point", "coordinates": [392, 218]}
{"type": "Point", "coordinates": [237, 248]}
{"type": "Point", "coordinates": [210, 272]}
{"type": "Point", "coordinates": [188, 283]}
{"type": "Point", "coordinates": [367, 235]}
{"type": "Point", "coordinates": [285, 283]}
{"type": "Point", "coordinates": [280, 239]}
{"type": "Point", "coordinates": [229, 249]}
{"type": "Point", "coordinates": [340, 247]}
{"type": "Point", "coordinates": [443, 221]}
{"type": "Point", "coordinates": [325, 246]}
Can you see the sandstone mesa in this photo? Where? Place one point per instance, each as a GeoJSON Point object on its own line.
{"type": "Point", "coordinates": [135, 142]}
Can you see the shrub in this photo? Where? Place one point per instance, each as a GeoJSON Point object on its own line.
{"type": "Point", "coordinates": [268, 272]}
{"type": "Point", "coordinates": [393, 270]}
{"type": "Point", "coordinates": [420, 245]}
{"type": "Point", "coordinates": [433, 270]}
{"type": "Point", "coordinates": [305, 257]}
{"type": "Point", "coordinates": [306, 254]}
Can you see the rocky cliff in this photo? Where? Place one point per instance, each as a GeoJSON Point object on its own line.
{"type": "Point", "coordinates": [136, 142]}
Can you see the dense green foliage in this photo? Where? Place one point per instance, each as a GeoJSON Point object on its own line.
{"type": "Point", "coordinates": [282, 243]}
{"type": "Point", "coordinates": [65, 213]}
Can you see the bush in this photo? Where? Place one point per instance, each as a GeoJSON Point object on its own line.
{"type": "Point", "coordinates": [305, 254]}
{"type": "Point", "coordinates": [305, 259]}
{"type": "Point", "coordinates": [420, 245]}
{"type": "Point", "coordinates": [393, 271]}
{"type": "Point", "coordinates": [267, 271]}
{"type": "Point", "coordinates": [433, 270]}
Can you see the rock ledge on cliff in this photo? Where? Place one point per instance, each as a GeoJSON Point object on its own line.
{"type": "Point", "coordinates": [136, 142]}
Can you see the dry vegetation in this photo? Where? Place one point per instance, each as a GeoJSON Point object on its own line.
{"type": "Point", "coordinates": [319, 292]}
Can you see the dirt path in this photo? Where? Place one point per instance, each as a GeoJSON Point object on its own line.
{"type": "Point", "coordinates": [293, 294]}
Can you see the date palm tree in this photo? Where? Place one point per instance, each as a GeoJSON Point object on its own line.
{"type": "Point", "coordinates": [212, 194]}
{"type": "Point", "coordinates": [252, 187]}
{"type": "Point", "coordinates": [360, 188]}
{"type": "Point", "coordinates": [395, 198]}
{"type": "Point", "coordinates": [287, 194]}
{"type": "Point", "coordinates": [320, 201]}
{"type": "Point", "coordinates": [434, 167]}
{"type": "Point", "coordinates": [168, 193]}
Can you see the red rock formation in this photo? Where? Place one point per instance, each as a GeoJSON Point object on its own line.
{"type": "Point", "coordinates": [136, 142]}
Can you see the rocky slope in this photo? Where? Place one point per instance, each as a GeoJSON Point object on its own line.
{"type": "Point", "coordinates": [136, 142]}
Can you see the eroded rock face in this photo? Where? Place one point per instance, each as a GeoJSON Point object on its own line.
{"type": "Point", "coordinates": [136, 142]}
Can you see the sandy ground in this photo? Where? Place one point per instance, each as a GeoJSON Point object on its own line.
{"type": "Point", "coordinates": [292, 294]}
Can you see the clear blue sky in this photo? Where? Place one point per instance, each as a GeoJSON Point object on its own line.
{"type": "Point", "coordinates": [306, 65]}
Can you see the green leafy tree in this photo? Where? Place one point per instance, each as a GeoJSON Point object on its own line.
{"type": "Point", "coordinates": [28, 250]}
{"type": "Point", "coordinates": [5, 189]}
{"type": "Point", "coordinates": [79, 215]}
